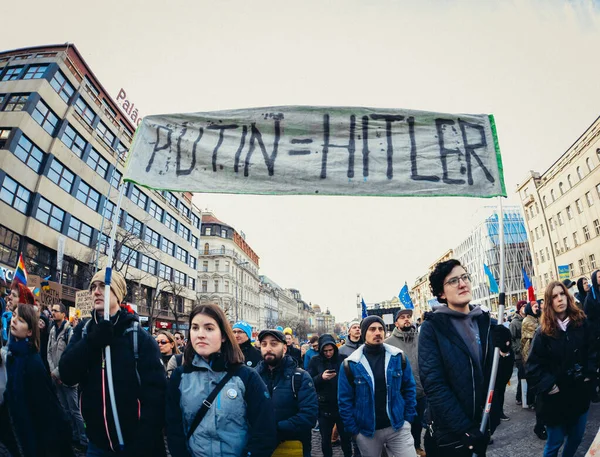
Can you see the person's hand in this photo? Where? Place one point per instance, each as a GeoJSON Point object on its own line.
{"type": "Point", "coordinates": [554, 390]}
{"type": "Point", "coordinates": [501, 338]}
{"type": "Point", "coordinates": [475, 440]}
{"type": "Point", "coordinates": [328, 374]}
{"type": "Point", "coordinates": [101, 334]}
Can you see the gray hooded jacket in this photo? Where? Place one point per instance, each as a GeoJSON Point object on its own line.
{"type": "Point", "coordinates": [349, 347]}
{"type": "Point", "coordinates": [409, 343]}
{"type": "Point", "coordinates": [467, 328]}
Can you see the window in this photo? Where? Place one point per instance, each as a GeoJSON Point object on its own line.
{"type": "Point", "coordinates": [560, 219]}
{"type": "Point", "coordinates": [9, 246]}
{"type": "Point", "coordinates": [152, 237]}
{"type": "Point", "coordinates": [569, 213]}
{"type": "Point", "coordinates": [561, 188]}
{"type": "Point", "coordinates": [4, 133]}
{"type": "Point", "coordinates": [544, 201]}
{"type": "Point", "coordinates": [193, 262]}
{"type": "Point", "coordinates": [45, 117]}
{"type": "Point", "coordinates": [191, 283]}
{"type": "Point", "coordinates": [216, 285]}
{"type": "Point", "coordinates": [91, 86]}
{"type": "Point", "coordinates": [109, 210]}
{"type": "Point", "coordinates": [223, 233]}
{"type": "Point", "coordinates": [85, 110]}
{"type": "Point", "coordinates": [116, 179]}
{"type": "Point", "coordinates": [195, 241]}
{"type": "Point", "coordinates": [62, 86]}
{"type": "Point", "coordinates": [97, 163]}
{"type": "Point", "coordinates": [551, 223]}
{"type": "Point", "coordinates": [537, 233]}
{"type": "Point", "coordinates": [73, 140]}
{"type": "Point", "coordinates": [80, 232]}
{"type": "Point", "coordinates": [593, 261]}
{"type": "Point", "coordinates": [575, 239]}
{"type": "Point", "coordinates": [195, 221]}
{"type": "Point", "coordinates": [181, 254]}
{"type": "Point", "coordinates": [597, 226]}
{"type": "Point", "coordinates": [579, 173]}
{"type": "Point", "coordinates": [12, 73]}
{"type": "Point", "coordinates": [184, 210]}
{"type": "Point", "coordinates": [155, 211]}
{"type": "Point", "coordinates": [148, 265]}
{"type": "Point", "coordinates": [226, 286]}
{"type": "Point", "coordinates": [222, 249]}
{"type": "Point", "coordinates": [29, 153]}
{"type": "Point", "coordinates": [542, 230]}
{"type": "Point", "coordinates": [598, 189]}
{"type": "Point", "coordinates": [542, 258]}
{"type": "Point", "coordinates": [589, 199]}
{"type": "Point", "coordinates": [204, 286]}
{"type": "Point", "coordinates": [179, 277]}
{"type": "Point", "coordinates": [227, 267]}
{"type": "Point", "coordinates": [15, 195]}
{"type": "Point", "coordinates": [165, 272]}
{"type": "Point", "coordinates": [217, 265]}
{"type": "Point", "coordinates": [552, 195]}
{"type": "Point", "coordinates": [171, 222]}
{"type": "Point", "coordinates": [16, 102]}
{"type": "Point", "coordinates": [565, 243]}
{"type": "Point", "coordinates": [556, 248]}
{"type": "Point", "coordinates": [184, 232]}
{"type": "Point", "coordinates": [537, 208]}
{"type": "Point", "coordinates": [569, 181]}
{"type": "Point", "coordinates": [579, 206]}
{"type": "Point", "coordinates": [548, 254]}
{"type": "Point", "coordinates": [61, 176]}
{"type": "Point", "coordinates": [167, 246]}
{"type": "Point", "coordinates": [108, 108]}
{"type": "Point", "coordinates": [128, 256]}
{"type": "Point", "coordinates": [588, 162]}
{"type": "Point", "coordinates": [139, 198]}
{"type": "Point", "coordinates": [88, 196]}
{"type": "Point", "coordinates": [133, 226]}
{"type": "Point", "coordinates": [205, 265]}
{"type": "Point", "coordinates": [571, 270]}
{"type": "Point", "coordinates": [172, 199]}
{"type": "Point", "coordinates": [207, 231]}
{"type": "Point", "coordinates": [581, 266]}
{"type": "Point", "coordinates": [206, 248]}
{"type": "Point", "coordinates": [49, 214]}
{"type": "Point", "coordinates": [35, 72]}
{"type": "Point", "coordinates": [104, 132]}
{"type": "Point", "coordinates": [586, 233]}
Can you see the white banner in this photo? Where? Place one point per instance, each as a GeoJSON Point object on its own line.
{"type": "Point", "coordinates": [319, 150]}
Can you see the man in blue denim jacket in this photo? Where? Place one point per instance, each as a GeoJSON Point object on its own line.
{"type": "Point", "coordinates": [378, 402]}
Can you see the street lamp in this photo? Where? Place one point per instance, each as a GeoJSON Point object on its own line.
{"type": "Point", "coordinates": [236, 288]}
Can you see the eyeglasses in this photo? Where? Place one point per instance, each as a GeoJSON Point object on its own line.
{"type": "Point", "coordinates": [56, 311]}
{"type": "Point", "coordinates": [99, 286]}
{"type": "Point", "coordinates": [466, 278]}
{"type": "Point", "coordinates": [161, 342]}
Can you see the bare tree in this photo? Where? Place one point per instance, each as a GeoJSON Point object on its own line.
{"type": "Point", "coordinates": [300, 328]}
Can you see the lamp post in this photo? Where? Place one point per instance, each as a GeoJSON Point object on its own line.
{"type": "Point", "coordinates": [236, 289]}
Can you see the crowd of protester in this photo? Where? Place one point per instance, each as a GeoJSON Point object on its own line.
{"type": "Point", "coordinates": [224, 391]}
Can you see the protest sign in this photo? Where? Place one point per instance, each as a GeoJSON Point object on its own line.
{"type": "Point", "coordinates": [49, 295]}
{"type": "Point", "coordinates": [84, 302]}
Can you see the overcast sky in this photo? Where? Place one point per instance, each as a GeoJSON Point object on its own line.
{"type": "Point", "coordinates": [533, 64]}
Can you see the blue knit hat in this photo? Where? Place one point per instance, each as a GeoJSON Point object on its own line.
{"type": "Point", "coordinates": [245, 327]}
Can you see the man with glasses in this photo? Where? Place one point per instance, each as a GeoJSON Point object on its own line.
{"type": "Point", "coordinates": [179, 341]}
{"type": "Point", "coordinates": [456, 350]}
{"type": "Point", "coordinates": [312, 350]}
{"type": "Point", "coordinates": [60, 335]}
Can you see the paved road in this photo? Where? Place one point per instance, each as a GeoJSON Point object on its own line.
{"type": "Point", "coordinates": [513, 438]}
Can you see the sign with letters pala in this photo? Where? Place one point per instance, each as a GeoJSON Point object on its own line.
{"type": "Point", "coordinates": [308, 150]}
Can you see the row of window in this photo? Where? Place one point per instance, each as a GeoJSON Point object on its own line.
{"type": "Point", "coordinates": [19, 72]}
{"type": "Point", "coordinates": [208, 231]}
{"type": "Point", "coordinates": [558, 248]}
{"type": "Point", "coordinates": [591, 266]}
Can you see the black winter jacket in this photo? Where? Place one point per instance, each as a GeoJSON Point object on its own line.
{"type": "Point", "coordinates": [592, 308]}
{"type": "Point", "coordinates": [141, 407]}
{"type": "Point", "coordinates": [295, 354]}
{"type": "Point", "coordinates": [565, 360]}
{"type": "Point", "coordinates": [327, 391]}
{"type": "Point", "coordinates": [456, 390]}
{"type": "Point", "coordinates": [251, 355]}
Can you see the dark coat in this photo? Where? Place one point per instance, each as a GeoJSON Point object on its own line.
{"type": "Point", "coordinates": [82, 364]}
{"type": "Point", "coordinates": [592, 307]}
{"type": "Point", "coordinates": [295, 416]}
{"type": "Point", "coordinates": [515, 332]}
{"type": "Point", "coordinates": [251, 355]}
{"type": "Point", "coordinates": [565, 360]}
{"type": "Point", "coordinates": [456, 389]}
{"type": "Point", "coordinates": [295, 354]}
{"type": "Point", "coordinates": [327, 391]}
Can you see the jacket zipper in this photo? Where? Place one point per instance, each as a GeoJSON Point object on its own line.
{"type": "Point", "coordinates": [473, 380]}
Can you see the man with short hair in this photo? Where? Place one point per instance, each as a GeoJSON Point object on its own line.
{"type": "Point", "coordinates": [243, 334]}
{"type": "Point", "coordinates": [292, 390]}
{"type": "Point", "coordinates": [353, 340]}
{"type": "Point", "coordinates": [456, 351]}
{"type": "Point", "coordinates": [292, 350]}
{"type": "Point", "coordinates": [377, 394]}
{"type": "Point", "coordinates": [179, 340]}
{"type": "Point", "coordinates": [60, 334]}
{"type": "Point", "coordinates": [312, 350]}
{"type": "Point", "coordinates": [406, 337]}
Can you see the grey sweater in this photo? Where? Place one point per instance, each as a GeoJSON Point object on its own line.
{"type": "Point", "coordinates": [408, 342]}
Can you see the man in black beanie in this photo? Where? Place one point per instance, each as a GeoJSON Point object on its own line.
{"type": "Point", "coordinates": [377, 415]}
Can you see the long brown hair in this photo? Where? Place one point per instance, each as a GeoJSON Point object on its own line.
{"type": "Point", "coordinates": [32, 319]}
{"type": "Point", "coordinates": [549, 325]}
{"type": "Point", "coordinates": [232, 354]}
{"type": "Point", "coordinates": [169, 336]}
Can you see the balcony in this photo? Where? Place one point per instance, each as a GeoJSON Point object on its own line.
{"type": "Point", "coordinates": [221, 252]}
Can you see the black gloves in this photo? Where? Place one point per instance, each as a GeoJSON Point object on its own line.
{"type": "Point", "coordinates": [501, 338]}
{"type": "Point", "coordinates": [101, 334]}
{"type": "Point", "coordinates": [475, 440]}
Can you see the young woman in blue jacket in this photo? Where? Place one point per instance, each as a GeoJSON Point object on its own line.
{"type": "Point", "coordinates": [240, 420]}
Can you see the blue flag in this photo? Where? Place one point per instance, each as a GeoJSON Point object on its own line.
{"type": "Point", "coordinates": [405, 299]}
{"type": "Point", "coordinates": [491, 279]}
{"type": "Point", "coordinates": [364, 309]}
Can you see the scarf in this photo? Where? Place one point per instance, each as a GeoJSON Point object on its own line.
{"type": "Point", "coordinates": [563, 324]}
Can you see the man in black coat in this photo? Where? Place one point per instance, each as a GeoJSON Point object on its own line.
{"type": "Point", "coordinates": [456, 349]}
{"type": "Point", "coordinates": [243, 335]}
{"type": "Point", "coordinates": [324, 368]}
{"type": "Point", "coordinates": [140, 400]}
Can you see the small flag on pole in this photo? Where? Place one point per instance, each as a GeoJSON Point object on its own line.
{"type": "Point", "coordinates": [46, 284]}
{"type": "Point", "coordinates": [404, 297]}
{"type": "Point", "coordinates": [20, 273]}
{"type": "Point", "coordinates": [364, 309]}
{"type": "Point", "coordinates": [528, 286]}
{"type": "Point", "coordinates": [491, 279]}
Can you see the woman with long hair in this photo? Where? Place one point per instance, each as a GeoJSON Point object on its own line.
{"type": "Point", "coordinates": [561, 366]}
{"type": "Point", "coordinates": [38, 423]}
{"type": "Point", "coordinates": [168, 348]}
{"type": "Point", "coordinates": [240, 420]}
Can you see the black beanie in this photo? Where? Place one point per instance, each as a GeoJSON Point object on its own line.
{"type": "Point", "coordinates": [368, 321]}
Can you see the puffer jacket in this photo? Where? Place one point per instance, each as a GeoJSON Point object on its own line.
{"type": "Point", "coordinates": [57, 343]}
{"type": "Point", "coordinates": [455, 385]}
{"type": "Point", "coordinates": [241, 421]}
{"type": "Point", "coordinates": [516, 328]}
{"type": "Point", "coordinates": [141, 406]}
{"type": "Point", "coordinates": [409, 343]}
{"type": "Point", "coordinates": [295, 416]}
{"type": "Point", "coordinates": [349, 347]}
{"type": "Point", "coordinates": [357, 400]}
{"type": "Point", "coordinates": [566, 360]}
{"type": "Point", "coordinates": [528, 328]}
{"type": "Point", "coordinates": [327, 391]}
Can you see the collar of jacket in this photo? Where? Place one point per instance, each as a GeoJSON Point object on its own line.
{"type": "Point", "coordinates": [406, 336]}
{"type": "Point", "coordinates": [246, 345]}
{"type": "Point", "coordinates": [443, 325]}
{"type": "Point", "coordinates": [58, 330]}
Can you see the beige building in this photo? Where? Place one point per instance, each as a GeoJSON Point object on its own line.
{"type": "Point", "coordinates": [64, 142]}
{"type": "Point", "coordinates": [420, 292]}
{"type": "Point", "coordinates": [562, 212]}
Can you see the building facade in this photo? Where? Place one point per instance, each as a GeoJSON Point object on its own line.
{"type": "Point", "coordinates": [64, 143]}
{"type": "Point", "coordinates": [269, 299]}
{"type": "Point", "coordinates": [562, 212]}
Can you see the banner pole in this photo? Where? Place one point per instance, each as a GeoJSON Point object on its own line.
{"type": "Point", "coordinates": [107, 282]}
{"type": "Point", "coordinates": [501, 301]}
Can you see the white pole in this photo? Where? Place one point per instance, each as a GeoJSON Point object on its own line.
{"type": "Point", "coordinates": [107, 282]}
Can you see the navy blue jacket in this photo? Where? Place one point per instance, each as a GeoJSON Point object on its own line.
{"type": "Point", "coordinates": [140, 406]}
{"type": "Point", "coordinates": [456, 389]}
{"type": "Point", "coordinates": [295, 417]}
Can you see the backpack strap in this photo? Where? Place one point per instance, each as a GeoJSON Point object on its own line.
{"type": "Point", "coordinates": [134, 329]}
{"type": "Point", "coordinates": [348, 371]}
{"type": "Point", "coordinates": [297, 382]}
{"type": "Point", "coordinates": [85, 329]}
